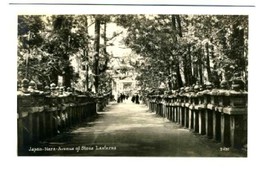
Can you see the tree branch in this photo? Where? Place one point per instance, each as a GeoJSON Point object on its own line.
{"type": "Point", "coordinates": [114, 35]}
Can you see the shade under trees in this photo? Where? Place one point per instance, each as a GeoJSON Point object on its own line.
{"type": "Point", "coordinates": [182, 50]}
{"type": "Point", "coordinates": [176, 50]}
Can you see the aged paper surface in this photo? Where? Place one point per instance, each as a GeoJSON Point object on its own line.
{"type": "Point", "coordinates": [138, 10]}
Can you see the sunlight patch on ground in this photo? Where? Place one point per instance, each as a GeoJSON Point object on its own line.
{"type": "Point", "coordinates": [130, 126]}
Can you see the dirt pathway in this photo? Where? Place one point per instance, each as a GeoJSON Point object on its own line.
{"type": "Point", "coordinates": [128, 129]}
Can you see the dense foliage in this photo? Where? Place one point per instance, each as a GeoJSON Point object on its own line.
{"type": "Point", "coordinates": [181, 50]}
{"type": "Point", "coordinates": [176, 50]}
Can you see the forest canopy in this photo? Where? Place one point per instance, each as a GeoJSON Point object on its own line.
{"type": "Point", "coordinates": [176, 50]}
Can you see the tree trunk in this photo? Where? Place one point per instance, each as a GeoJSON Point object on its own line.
{"type": "Point", "coordinates": [178, 19]}
{"type": "Point", "coordinates": [208, 61]}
{"type": "Point", "coordinates": [200, 69]}
{"type": "Point", "coordinates": [185, 62]}
{"type": "Point", "coordinates": [189, 66]}
{"type": "Point", "coordinates": [174, 29]}
{"type": "Point", "coordinates": [105, 39]}
{"type": "Point", "coordinates": [86, 72]}
{"type": "Point", "coordinates": [96, 55]}
{"type": "Point", "coordinates": [195, 71]}
{"type": "Point", "coordinates": [86, 57]}
{"type": "Point", "coordinates": [67, 72]}
{"type": "Point", "coordinates": [238, 48]}
{"type": "Point", "coordinates": [178, 77]}
{"type": "Point", "coordinates": [53, 78]}
{"type": "Point", "coordinates": [179, 80]}
{"type": "Point", "coordinates": [215, 78]}
{"type": "Point", "coordinates": [105, 66]}
{"type": "Point", "coordinates": [67, 76]}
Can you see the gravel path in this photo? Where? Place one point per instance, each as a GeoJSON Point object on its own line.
{"type": "Point", "coordinates": [128, 129]}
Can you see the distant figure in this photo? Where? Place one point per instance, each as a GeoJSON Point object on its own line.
{"type": "Point", "coordinates": [122, 97]}
{"type": "Point", "coordinates": [141, 98]}
{"type": "Point", "coordinates": [137, 99]}
{"type": "Point", "coordinates": [119, 98]}
{"type": "Point", "coordinates": [112, 97]}
{"type": "Point", "coordinates": [133, 98]}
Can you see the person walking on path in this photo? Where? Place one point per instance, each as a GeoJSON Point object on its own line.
{"type": "Point", "coordinates": [137, 99]}
{"type": "Point", "coordinates": [133, 98]}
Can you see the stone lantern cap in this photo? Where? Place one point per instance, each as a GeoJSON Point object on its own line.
{"type": "Point", "coordinates": [32, 83]}
{"type": "Point", "coordinates": [53, 86]}
{"type": "Point", "coordinates": [208, 85]}
{"type": "Point", "coordinates": [201, 87]}
{"type": "Point", "coordinates": [196, 88]}
{"type": "Point", "coordinates": [205, 92]}
{"type": "Point", "coordinates": [187, 89]}
{"type": "Point", "coordinates": [200, 93]}
{"type": "Point", "coordinates": [181, 91]}
{"type": "Point", "coordinates": [224, 84]}
{"type": "Point", "coordinates": [222, 92]}
{"type": "Point", "coordinates": [176, 93]}
{"type": "Point", "coordinates": [238, 84]}
{"type": "Point", "coordinates": [25, 83]}
{"type": "Point", "coordinates": [69, 89]}
{"type": "Point", "coordinates": [236, 93]}
{"type": "Point", "coordinates": [214, 92]}
{"type": "Point", "coordinates": [46, 88]}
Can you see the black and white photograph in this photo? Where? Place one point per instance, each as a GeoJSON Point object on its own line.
{"type": "Point", "coordinates": [133, 86]}
{"type": "Point", "coordinates": [160, 85]}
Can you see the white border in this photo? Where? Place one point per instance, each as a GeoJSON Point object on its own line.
{"type": "Point", "coordinates": [65, 164]}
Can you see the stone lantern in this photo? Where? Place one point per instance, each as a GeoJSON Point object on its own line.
{"type": "Point", "coordinates": [61, 90]}
{"type": "Point", "coordinates": [46, 90]}
{"type": "Point", "coordinates": [69, 89]}
{"type": "Point", "coordinates": [18, 85]}
{"type": "Point", "coordinates": [25, 85]}
{"type": "Point", "coordinates": [53, 89]}
{"type": "Point", "coordinates": [237, 83]}
{"type": "Point", "coordinates": [32, 86]}
{"type": "Point", "coordinates": [208, 85]}
{"type": "Point", "coordinates": [224, 84]}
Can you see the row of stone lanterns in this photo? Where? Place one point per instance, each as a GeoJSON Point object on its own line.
{"type": "Point", "coordinates": [220, 114]}
{"type": "Point", "coordinates": [43, 113]}
{"type": "Point", "coordinates": [30, 87]}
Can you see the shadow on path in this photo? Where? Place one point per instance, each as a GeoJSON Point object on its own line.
{"type": "Point", "coordinates": [128, 129]}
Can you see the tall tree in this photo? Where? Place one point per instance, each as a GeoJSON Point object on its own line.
{"type": "Point", "coordinates": [207, 49]}
{"type": "Point", "coordinates": [29, 43]}
{"type": "Point", "coordinates": [96, 52]}
{"type": "Point", "coordinates": [176, 26]}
